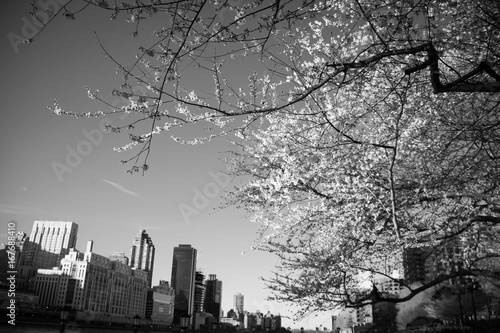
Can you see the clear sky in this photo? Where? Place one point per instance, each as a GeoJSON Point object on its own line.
{"type": "Point", "coordinates": [94, 191]}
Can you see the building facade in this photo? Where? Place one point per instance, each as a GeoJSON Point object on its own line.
{"type": "Point", "coordinates": [199, 292]}
{"type": "Point", "coordinates": [119, 256]}
{"type": "Point", "coordinates": [47, 287]}
{"type": "Point", "coordinates": [238, 303]}
{"type": "Point", "coordinates": [98, 288]}
{"type": "Point", "coordinates": [260, 322]}
{"type": "Point", "coordinates": [142, 254]}
{"type": "Point", "coordinates": [25, 268]}
{"type": "Point", "coordinates": [213, 297]}
{"type": "Point", "coordinates": [10, 255]}
{"type": "Point", "coordinates": [54, 239]}
{"type": "Point", "coordinates": [160, 304]}
{"type": "Point", "coordinates": [183, 280]}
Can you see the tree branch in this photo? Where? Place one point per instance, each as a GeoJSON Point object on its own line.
{"type": "Point", "coordinates": [460, 84]}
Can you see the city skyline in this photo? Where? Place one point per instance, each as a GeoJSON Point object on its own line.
{"type": "Point", "coordinates": [59, 238]}
{"type": "Point", "coordinates": [107, 289]}
{"type": "Point", "coordinates": [42, 235]}
{"type": "Point", "coordinates": [216, 288]}
{"type": "Point", "coordinates": [45, 176]}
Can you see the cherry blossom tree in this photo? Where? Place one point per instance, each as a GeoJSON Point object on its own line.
{"type": "Point", "coordinates": [387, 155]}
{"type": "Point", "coordinates": [369, 131]}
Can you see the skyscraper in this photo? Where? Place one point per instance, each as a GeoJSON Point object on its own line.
{"type": "Point", "coordinates": [142, 254]}
{"type": "Point", "coordinates": [183, 280]}
{"type": "Point", "coordinates": [199, 292]}
{"type": "Point", "coordinates": [239, 302]}
{"type": "Point", "coordinates": [54, 239]}
{"type": "Point", "coordinates": [213, 296]}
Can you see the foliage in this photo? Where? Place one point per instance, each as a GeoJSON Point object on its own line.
{"type": "Point", "coordinates": [456, 304]}
{"type": "Point", "coordinates": [372, 130]}
{"type": "Point", "coordinates": [381, 160]}
{"type": "Point", "coordinates": [384, 317]}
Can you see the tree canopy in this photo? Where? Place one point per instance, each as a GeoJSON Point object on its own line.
{"type": "Point", "coordinates": [371, 132]}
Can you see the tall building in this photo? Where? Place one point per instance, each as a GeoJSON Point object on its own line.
{"type": "Point", "coordinates": [54, 239]}
{"type": "Point", "coordinates": [142, 254]}
{"type": "Point", "coordinates": [238, 302]}
{"type": "Point", "coordinates": [213, 296]}
{"type": "Point", "coordinates": [199, 292]}
{"type": "Point", "coordinates": [183, 280]}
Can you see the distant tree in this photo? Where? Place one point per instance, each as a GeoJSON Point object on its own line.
{"type": "Point", "coordinates": [369, 128]}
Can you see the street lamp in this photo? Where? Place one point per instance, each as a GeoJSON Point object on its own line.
{"type": "Point", "coordinates": [184, 322]}
{"type": "Point", "coordinates": [136, 322]}
{"type": "Point", "coordinates": [64, 318]}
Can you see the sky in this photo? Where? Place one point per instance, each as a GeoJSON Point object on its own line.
{"type": "Point", "coordinates": [62, 168]}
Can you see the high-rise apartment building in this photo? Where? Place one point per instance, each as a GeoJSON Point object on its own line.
{"type": "Point", "coordinates": [183, 280]}
{"type": "Point", "coordinates": [54, 239]}
{"type": "Point", "coordinates": [142, 254]}
{"type": "Point", "coordinates": [213, 296]}
{"type": "Point", "coordinates": [238, 302]}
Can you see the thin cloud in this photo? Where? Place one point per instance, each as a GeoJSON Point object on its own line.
{"type": "Point", "coordinates": [121, 188]}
